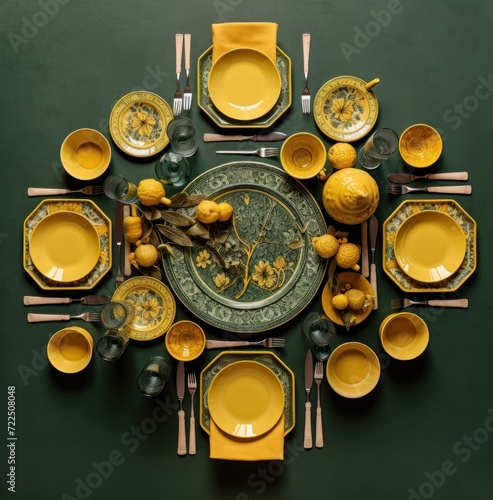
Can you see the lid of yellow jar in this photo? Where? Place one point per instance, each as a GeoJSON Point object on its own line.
{"type": "Point", "coordinates": [350, 196]}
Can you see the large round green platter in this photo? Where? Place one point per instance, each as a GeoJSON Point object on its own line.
{"type": "Point", "coordinates": [259, 269]}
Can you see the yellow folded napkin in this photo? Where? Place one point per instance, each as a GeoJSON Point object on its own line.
{"type": "Point", "coordinates": [269, 446]}
{"type": "Point", "coordinates": [258, 36]}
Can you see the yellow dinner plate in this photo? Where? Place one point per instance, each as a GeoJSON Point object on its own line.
{"type": "Point", "coordinates": [430, 246]}
{"type": "Point", "coordinates": [353, 370]}
{"type": "Point", "coordinates": [244, 84]}
{"type": "Point", "coordinates": [64, 246]}
{"type": "Point", "coordinates": [246, 399]}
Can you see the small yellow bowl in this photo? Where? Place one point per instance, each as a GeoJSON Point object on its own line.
{"type": "Point", "coordinates": [420, 145]}
{"type": "Point", "coordinates": [85, 154]}
{"type": "Point", "coordinates": [404, 335]}
{"type": "Point", "coordinates": [70, 349]}
{"type": "Point", "coordinates": [353, 370]}
{"type": "Point", "coordinates": [303, 155]}
{"type": "Point", "coordinates": [185, 340]}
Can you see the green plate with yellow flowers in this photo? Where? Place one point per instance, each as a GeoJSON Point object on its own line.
{"type": "Point", "coordinates": [259, 269]}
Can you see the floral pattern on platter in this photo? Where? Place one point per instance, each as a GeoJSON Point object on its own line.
{"type": "Point", "coordinates": [259, 269]}
{"type": "Point", "coordinates": [98, 219]}
{"type": "Point", "coordinates": [392, 224]}
{"type": "Point", "coordinates": [344, 108]}
{"type": "Point", "coordinates": [270, 360]}
{"type": "Point", "coordinates": [143, 125]}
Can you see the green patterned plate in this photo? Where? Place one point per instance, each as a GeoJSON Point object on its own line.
{"type": "Point", "coordinates": [270, 360]}
{"type": "Point", "coordinates": [259, 269]}
{"type": "Point", "coordinates": [205, 103]}
{"type": "Point", "coordinates": [98, 219]}
{"type": "Point", "coordinates": [406, 210]}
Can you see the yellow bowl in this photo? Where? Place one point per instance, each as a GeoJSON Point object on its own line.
{"type": "Point", "coordinates": [85, 154]}
{"type": "Point", "coordinates": [303, 155]}
{"type": "Point", "coordinates": [420, 145]}
{"type": "Point", "coordinates": [185, 340]}
{"type": "Point", "coordinates": [353, 370]}
{"type": "Point", "coordinates": [404, 335]}
{"type": "Point", "coordinates": [70, 349]}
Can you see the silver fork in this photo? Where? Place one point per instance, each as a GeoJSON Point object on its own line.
{"type": "Point", "coordinates": [177, 96]}
{"type": "Point", "coordinates": [38, 318]}
{"type": "Point", "coordinates": [192, 388]}
{"type": "Point", "coordinates": [262, 152]}
{"type": "Point", "coordinates": [318, 375]}
{"type": "Point", "coordinates": [89, 190]}
{"type": "Point", "coordinates": [187, 93]}
{"type": "Point", "coordinates": [399, 189]}
{"type": "Point", "coordinates": [305, 95]}
{"type": "Point", "coordinates": [404, 302]}
{"type": "Point", "coordinates": [270, 342]}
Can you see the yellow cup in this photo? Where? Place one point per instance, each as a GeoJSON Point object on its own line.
{"type": "Point", "coordinates": [70, 349]}
{"type": "Point", "coordinates": [404, 335]}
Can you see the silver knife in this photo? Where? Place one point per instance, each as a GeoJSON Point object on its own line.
{"type": "Point", "coordinates": [402, 178]}
{"type": "Point", "coordinates": [119, 239]}
{"type": "Point", "coordinates": [308, 443]}
{"type": "Point", "coordinates": [373, 267]}
{"type": "Point", "coordinates": [88, 300]}
{"type": "Point", "coordinates": [180, 391]}
{"type": "Point", "coordinates": [271, 137]}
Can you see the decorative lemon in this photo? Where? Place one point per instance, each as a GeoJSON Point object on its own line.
{"type": "Point", "coordinates": [326, 245]}
{"type": "Point", "coordinates": [356, 298]}
{"type": "Point", "coordinates": [225, 211]}
{"type": "Point", "coordinates": [145, 255]}
{"type": "Point", "coordinates": [151, 192]}
{"type": "Point", "coordinates": [342, 155]}
{"type": "Point", "coordinates": [340, 301]}
{"type": "Point", "coordinates": [348, 255]}
{"type": "Point", "coordinates": [208, 211]}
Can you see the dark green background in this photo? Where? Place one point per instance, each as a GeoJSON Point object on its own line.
{"type": "Point", "coordinates": [67, 73]}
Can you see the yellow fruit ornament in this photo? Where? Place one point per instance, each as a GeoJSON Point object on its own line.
{"type": "Point", "coordinates": [342, 155]}
{"type": "Point", "coordinates": [340, 301]}
{"type": "Point", "coordinates": [356, 298]}
{"type": "Point", "coordinates": [151, 192]}
{"type": "Point", "coordinates": [225, 211]}
{"type": "Point", "coordinates": [348, 256]}
{"type": "Point", "coordinates": [208, 211]}
{"type": "Point", "coordinates": [145, 255]}
{"type": "Point", "coordinates": [326, 245]}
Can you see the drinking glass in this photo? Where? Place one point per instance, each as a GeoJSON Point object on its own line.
{"type": "Point", "coordinates": [173, 169]}
{"type": "Point", "coordinates": [378, 148]}
{"type": "Point", "coordinates": [112, 344]}
{"type": "Point", "coordinates": [117, 314]}
{"type": "Point", "coordinates": [320, 331]}
{"type": "Point", "coordinates": [118, 188]}
{"type": "Point", "coordinates": [153, 376]}
{"type": "Point", "coordinates": [182, 136]}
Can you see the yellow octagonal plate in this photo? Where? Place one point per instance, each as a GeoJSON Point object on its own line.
{"type": "Point", "coordinates": [246, 399]}
{"type": "Point", "coordinates": [353, 370]}
{"type": "Point", "coordinates": [64, 246]}
{"type": "Point", "coordinates": [244, 84]}
{"type": "Point", "coordinates": [430, 246]}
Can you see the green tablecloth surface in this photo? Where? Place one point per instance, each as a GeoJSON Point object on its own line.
{"type": "Point", "coordinates": [426, 431]}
